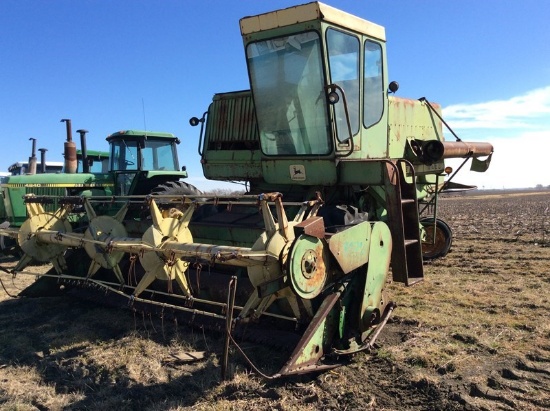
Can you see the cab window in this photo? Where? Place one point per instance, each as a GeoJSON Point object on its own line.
{"type": "Point", "coordinates": [343, 56]}
{"type": "Point", "coordinates": [373, 96]}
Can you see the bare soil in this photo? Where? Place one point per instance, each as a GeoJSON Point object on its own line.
{"type": "Point", "coordinates": [474, 335]}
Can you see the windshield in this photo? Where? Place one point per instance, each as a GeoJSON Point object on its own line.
{"type": "Point", "coordinates": [159, 155]}
{"type": "Point", "coordinates": [287, 80]}
{"type": "Point", "coordinates": [147, 154]}
{"type": "Point", "coordinates": [124, 155]}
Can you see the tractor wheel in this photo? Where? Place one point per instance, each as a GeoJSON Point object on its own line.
{"type": "Point", "coordinates": [443, 238]}
{"type": "Point", "coordinates": [8, 245]}
{"type": "Point", "coordinates": [175, 189]}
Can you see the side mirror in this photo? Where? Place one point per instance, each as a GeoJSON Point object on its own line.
{"type": "Point", "coordinates": [194, 121]}
{"type": "Point", "coordinates": [393, 87]}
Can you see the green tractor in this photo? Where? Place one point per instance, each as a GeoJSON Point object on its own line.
{"type": "Point", "coordinates": [342, 184]}
{"type": "Point", "coordinates": [138, 163]}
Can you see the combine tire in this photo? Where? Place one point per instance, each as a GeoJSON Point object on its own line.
{"type": "Point", "coordinates": [443, 238]}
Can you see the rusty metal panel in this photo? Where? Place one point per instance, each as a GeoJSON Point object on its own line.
{"type": "Point", "coordinates": [232, 122]}
{"type": "Point", "coordinates": [410, 119]}
{"type": "Point", "coordinates": [351, 246]}
{"type": "Point", "coordinates": [313, 226]}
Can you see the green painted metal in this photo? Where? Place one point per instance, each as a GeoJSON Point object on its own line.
{"type": "Point", "coordinates": [140, 134]}
{"type": "Point", "coordinates": [342, 322]}
{"type": "Point", "coordinates": [376, 276]}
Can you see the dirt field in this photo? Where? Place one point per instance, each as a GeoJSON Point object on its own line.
{"type": "Point", "coordinates": [475, 335]}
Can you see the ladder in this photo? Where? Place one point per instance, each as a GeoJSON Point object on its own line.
{"type": "Point", "coordinates": [403, 221]}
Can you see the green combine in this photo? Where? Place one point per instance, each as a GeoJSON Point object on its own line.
{"type": "Point", "coordinates": [342, 179]}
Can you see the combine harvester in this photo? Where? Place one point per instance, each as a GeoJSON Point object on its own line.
{"type": "Point", "coordinates": [342, 183]}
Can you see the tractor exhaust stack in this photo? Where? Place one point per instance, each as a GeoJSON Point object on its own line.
{"type": "Point", "coordinates": [85, 163]}
{"type": "Point", "coordinates": [69, 153]}
{"type": "Point", "coordinates": [42, 159]}
{"type": "Point", "coordinates": [32, 158]}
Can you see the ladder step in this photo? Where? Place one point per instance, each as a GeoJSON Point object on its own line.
{"type": "Point", "coordinates": [402, 205]}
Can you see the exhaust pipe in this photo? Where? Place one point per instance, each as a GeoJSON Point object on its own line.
{"type": "Point", "coordinates": [435, 150]}
{"type": "Point", "coordinates": [85, 162]}
{"type": "Point", "coordinates": [32, 158]}
{"type": "Point", "coordinates": [69, 153]}
{"type": "Point", "coordinates": [42, 159]}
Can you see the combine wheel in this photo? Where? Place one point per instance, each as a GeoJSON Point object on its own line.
{"type": "Point", "coordinates": [443, 238]}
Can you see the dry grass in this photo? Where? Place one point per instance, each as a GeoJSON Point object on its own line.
{"type": "Point", "coordinates": [474, 335]}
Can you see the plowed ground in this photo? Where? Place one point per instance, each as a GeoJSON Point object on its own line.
{"type": "Point", "coordinates": [475, 335]}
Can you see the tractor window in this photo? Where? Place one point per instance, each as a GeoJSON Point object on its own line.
{"type": "Point", "coordinates": [343, 56]}
{"type": "Point", "coordinates": [286, 76]}
{"type": "Point", "coordinates": [100, 166]}
{"type": "Point", "coordinates": [158, 155]}
{"type": "Point", "coordinates": [97, 165]}
{"type": "Point", "coordinates": [373, 86]}
{"type": "Point", "coordinates": [124, 155]}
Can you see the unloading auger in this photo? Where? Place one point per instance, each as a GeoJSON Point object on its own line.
{"type": "Point", "coordinates": [293, 263]}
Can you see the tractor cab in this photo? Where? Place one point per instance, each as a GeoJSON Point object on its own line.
{"type": "Point", "coordinates": [98, 161]}
{"type": "Point", "coordinates": [141, 160]}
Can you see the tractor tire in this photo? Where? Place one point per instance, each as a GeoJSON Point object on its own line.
{"type": "Point", "coordinates": [9, 246]}
{"type": "Point", "coordinates": [175, 189]}
{"type": "Point", "coordinates": [443, 238]}
{"type": "Point", "coordinates": [5, 245]}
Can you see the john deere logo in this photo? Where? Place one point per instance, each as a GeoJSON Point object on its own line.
{"type": "Point", "coordinates": [297, 172]}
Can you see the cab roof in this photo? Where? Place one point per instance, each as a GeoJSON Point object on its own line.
{"type": "Point", "coordinates": [140, 133]}
{"type": "Point", "coordinates": [308, 12]}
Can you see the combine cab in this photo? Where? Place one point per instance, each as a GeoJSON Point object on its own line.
{"type": "Point", "coordinates": [342, 181]}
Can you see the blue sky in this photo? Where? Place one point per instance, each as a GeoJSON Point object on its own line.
{"type": "Point", "coordinates": [111, 65]}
